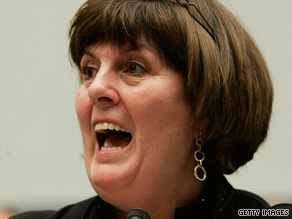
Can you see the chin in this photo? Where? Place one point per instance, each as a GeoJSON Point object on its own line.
{"type": "Point", "coordinates": [111, 177]}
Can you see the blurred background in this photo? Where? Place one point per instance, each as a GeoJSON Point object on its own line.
{"type": "Point", "coordinates": [41, 166]}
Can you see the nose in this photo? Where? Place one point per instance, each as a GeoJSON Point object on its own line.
{"type": "Point", "coordinates": [103, 90]}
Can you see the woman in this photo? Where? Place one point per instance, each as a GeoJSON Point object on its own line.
{"type": "Point", "coordinates": [173, 95]}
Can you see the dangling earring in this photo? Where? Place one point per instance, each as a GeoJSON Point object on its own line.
{"type": "Point", "coordinates": [199, 157]}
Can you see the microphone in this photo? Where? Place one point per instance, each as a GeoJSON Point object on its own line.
{"type": "Point", "coordinates": [137, 213]}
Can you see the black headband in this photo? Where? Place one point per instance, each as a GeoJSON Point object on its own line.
{"type": "Point", "coordinates": [196, 14]}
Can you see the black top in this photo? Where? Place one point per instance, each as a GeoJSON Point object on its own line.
{"type": "Point", "coordinates": [218, 200]}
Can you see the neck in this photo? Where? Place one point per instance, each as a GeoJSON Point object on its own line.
{"type": "Point", "coordinates": [160, 203]}
{"type": "Point", "coordinates": [159, 195]}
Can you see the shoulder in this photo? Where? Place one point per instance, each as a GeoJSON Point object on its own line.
{"type": "Point", "coordinates": [245, 199]}
{"type": "Point", "coordinates": [33, 215]}
{"type": "Point", "coordinates": [244, 203]}
{"type": "Point", "coordinates": [78, 210]}
{"type": "Point", "coordinates": [241, 202]}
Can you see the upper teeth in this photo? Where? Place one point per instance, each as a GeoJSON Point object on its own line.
{"type": "Point", "coordinates": [101, 127]}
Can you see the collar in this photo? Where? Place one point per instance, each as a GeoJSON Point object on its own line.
{"type": "Point", "coordinates": [216, 194]}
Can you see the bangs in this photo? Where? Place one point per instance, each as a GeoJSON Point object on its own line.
{"type": "Point", "coordinates": [126, 21]}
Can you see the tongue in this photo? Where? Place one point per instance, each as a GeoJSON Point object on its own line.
{"type": "Point", "coordinates": [119, 139]}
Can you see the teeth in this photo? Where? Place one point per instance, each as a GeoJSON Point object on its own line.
{"type": "Point", "coordinates": [110, 149]}
{"type": "Point", "coordinates": [103, 127]}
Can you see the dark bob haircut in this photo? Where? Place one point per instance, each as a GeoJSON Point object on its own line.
{"type": "Point", "coordinates": [224, 72]}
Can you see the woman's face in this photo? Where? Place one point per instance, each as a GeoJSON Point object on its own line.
{"type": "Point", "coordinates": [133, 89]}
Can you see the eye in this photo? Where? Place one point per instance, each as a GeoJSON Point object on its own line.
{"type": "Point", "coordinates": [135, 69]}
{"type": "Point", "coordinates": [88, 73]}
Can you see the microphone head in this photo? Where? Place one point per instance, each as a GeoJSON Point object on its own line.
{"type": "Point", "coordinates": [137, 213]}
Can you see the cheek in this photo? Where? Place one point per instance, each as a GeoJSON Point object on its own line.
{"type": "Point", "coordinates": [163, 102]}
{"type": "Point", "coordinates": [83, 107]}
{"type": "Point", "coordinates": [165, 108]}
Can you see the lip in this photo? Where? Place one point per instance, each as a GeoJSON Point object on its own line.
{"type": "Point", "coordinates": [110, 154]}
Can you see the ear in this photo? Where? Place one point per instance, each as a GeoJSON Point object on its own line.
{"type": "Point", "coordinates": [201, 127]}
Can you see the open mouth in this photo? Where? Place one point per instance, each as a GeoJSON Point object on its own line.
{"type": "Point", "coordinates": [111, 136]}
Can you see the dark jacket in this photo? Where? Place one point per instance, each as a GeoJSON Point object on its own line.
{"type": "Point", "coordinates": [218, 200]}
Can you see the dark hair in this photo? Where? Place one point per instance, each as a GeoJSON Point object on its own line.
{"type": "Point", "coordinates": [224, 72]}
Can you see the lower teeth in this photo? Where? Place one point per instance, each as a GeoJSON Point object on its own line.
{"type": "Point", "coordinates": [110, 148]}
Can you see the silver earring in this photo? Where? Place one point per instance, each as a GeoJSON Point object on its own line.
{"type": "Point", "coordinates": [199, 157]}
